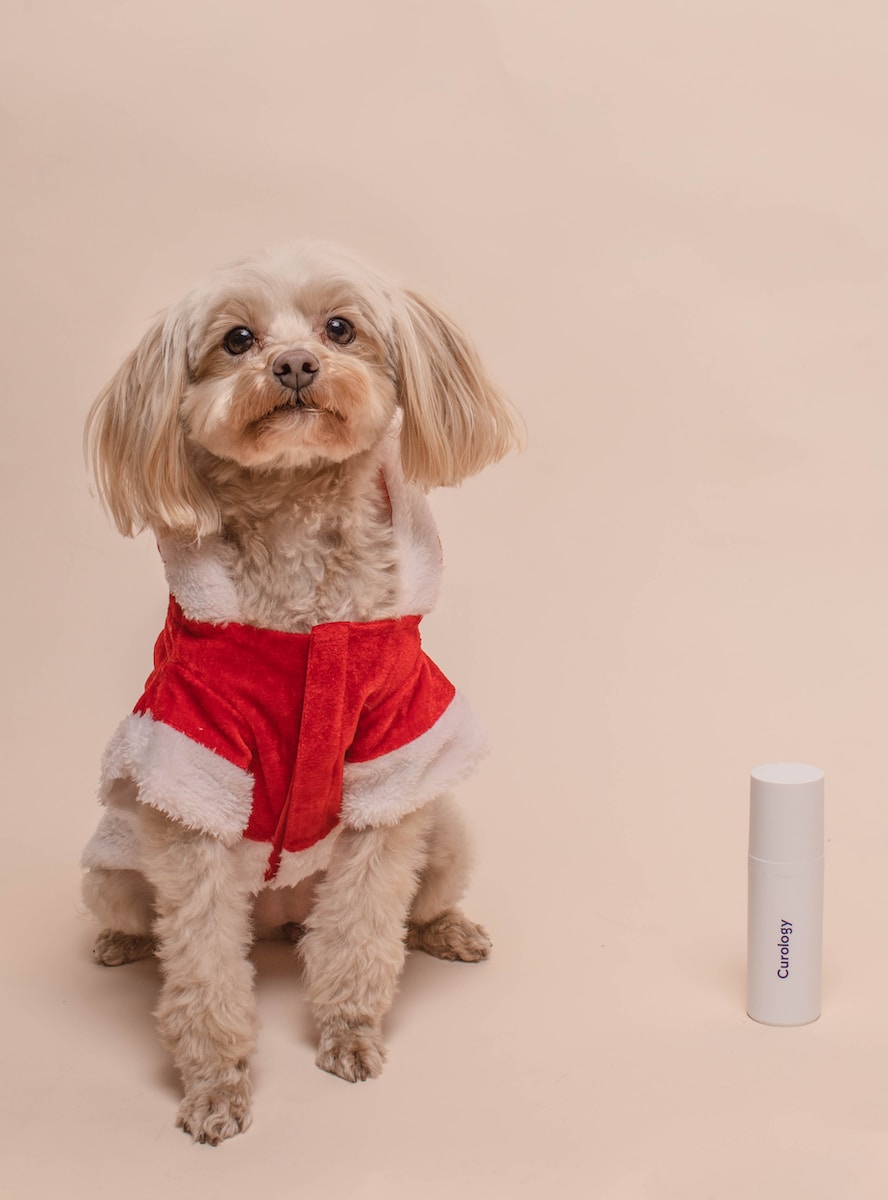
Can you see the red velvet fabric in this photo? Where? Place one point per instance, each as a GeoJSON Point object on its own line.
{"type": "Point", "coordinates": [292, 708]}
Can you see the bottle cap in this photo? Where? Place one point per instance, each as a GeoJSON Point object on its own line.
{"type": "Point", "coordinates": [786, 813]}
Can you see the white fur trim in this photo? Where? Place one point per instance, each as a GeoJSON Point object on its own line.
{"type": "Point", "coordinates": [115, 843]}
{"type": "Point", "coordinates": [115, 846]}
{"type": "Point", "coordinates": [148, 762]}
{"type": "Point", "coordinates": [297, 865]}
{"type": "Point", "coordinates": [420, 561]}
{"type": "Point", "coordinates": [383, 790]}
{"type": "Point", "coordinates": [199, 580]}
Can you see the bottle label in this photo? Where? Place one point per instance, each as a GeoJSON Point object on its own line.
{"type": "Point", "coordinates": [783, 946]}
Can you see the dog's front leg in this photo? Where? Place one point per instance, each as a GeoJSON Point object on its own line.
{"type": "Point", "coordinates": [354, 948]}
{"type": "Point", "coordinates": [436, 925]}
{"type": "Point", "coordinates": [206, 1011]}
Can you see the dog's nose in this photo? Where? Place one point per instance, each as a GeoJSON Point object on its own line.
{"type": "Point", "coordinates": [296, 369]}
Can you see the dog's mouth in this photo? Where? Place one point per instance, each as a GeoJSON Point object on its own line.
{"type": "Point", "coordinates": [295, 403]}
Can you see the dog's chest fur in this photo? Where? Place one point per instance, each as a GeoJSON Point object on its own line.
{"type": "Point", "coordinates": [308, 550]}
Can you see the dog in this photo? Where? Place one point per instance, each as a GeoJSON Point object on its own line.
{"type": "Point", "coordinates": [288, 767]}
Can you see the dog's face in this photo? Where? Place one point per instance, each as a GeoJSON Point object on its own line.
{"type": "Point", "coordinates": [291, 363]}
{"type": "Point", "coordinates": [288, 361]}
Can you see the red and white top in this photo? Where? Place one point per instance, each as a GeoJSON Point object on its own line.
{"type": "Point", "coordinates": [278, 739]}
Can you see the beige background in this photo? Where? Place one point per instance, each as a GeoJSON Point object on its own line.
{"type": "Point", "coordinates": [664, 224]}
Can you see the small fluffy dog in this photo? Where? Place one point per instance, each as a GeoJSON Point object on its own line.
{"type": "Point", "coordinates": [285, 772]}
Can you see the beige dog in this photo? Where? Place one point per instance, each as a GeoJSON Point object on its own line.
{"type": "Point", "coordinates": [288, 765]}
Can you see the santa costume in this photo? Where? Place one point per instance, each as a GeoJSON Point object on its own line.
{"type": "Point", "coordinates": [275, 741]}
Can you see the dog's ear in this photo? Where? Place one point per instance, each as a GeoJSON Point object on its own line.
{"type": "Point", "coordinates": [135, 442]}
{"type": "Point", "coordinates": [455, 420]}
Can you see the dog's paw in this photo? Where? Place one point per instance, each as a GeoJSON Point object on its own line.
{"type": "Point", "coordinates": [216, 1109]}
{"type": "Point", "coordinates": [354, 1053]}
{"type": "Point", "coordinates": [113, 949]}
{"type": "Point", "coordinates": [451, 936]}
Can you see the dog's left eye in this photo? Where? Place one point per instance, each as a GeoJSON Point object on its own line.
{"type": "Point", "coordinates": [238, 341]}
{"type": "Point", "coordinates": [340, 331]}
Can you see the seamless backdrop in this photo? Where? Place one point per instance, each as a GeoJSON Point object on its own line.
{"type": "Point", "coordinates": [665, 226]}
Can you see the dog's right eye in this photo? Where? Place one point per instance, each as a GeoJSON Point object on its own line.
{"type": "Point", "coordinates": [238, 341]}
